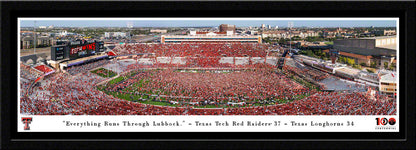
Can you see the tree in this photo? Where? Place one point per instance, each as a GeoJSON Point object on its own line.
{"type": "Point", "coordinates": [363, 64]}
{"type": "Point", "coordinates": [282, 41]}
{"type": "Point", "coordinates": [356, 66]}
{"type": "Point", "coordinates": [386, 65]}
{"type": "Point", "coordinates": [343, 59]}
{"type": "Point", "coordinates": [340, 59]}
{"type": "Point", "coordinates": [350, 61]}
{"type": "Point", "coordinates": [370, 70]}
{"type": "Point", "coordinates": [323, 56]}
{"type": "Point", "coordinates": [318, 52]}
{"type": "Point", "coordinates": [267, 40]}
{"type": "Point", "coordinates": [373, 64]}
{"type": "Point", "coordinates": [295, 38]}
{"type": "Point", "coordinates": [392, 66]}
{"type": "Point", "coordinates": [309, 53]}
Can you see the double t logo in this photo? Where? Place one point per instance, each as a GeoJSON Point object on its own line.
{"type": "Point", "coordinates": [27, 121]}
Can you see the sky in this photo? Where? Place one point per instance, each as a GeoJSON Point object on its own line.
{"type": "Point", "coordinates": [210, 23]}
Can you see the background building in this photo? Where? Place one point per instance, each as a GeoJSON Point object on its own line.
{"type": "Point", "coordinates": [63, 33]}
{"type": "Point", "coordinates": [275, 34]}
{"type": "Point", "coordinates": [227, 27]}
{"type": "Point", "coordinates": [252, 32]}
{"type": "Point", "coordinates": [26, 42]}
{"type": "Point", "coordinates": [385, 32]}
{"type": "Point", "coordinates": [365, 50]}
{"type": "Point", "coordinates": [210, 37]}
{"type": "Point", "coordinates": [116, 34]}
{"type": "Point", "coordinates": [158, 31]}
{"type": "Point", "coordinates": [285, 34]}
{"type": "Point", "coordinates": [388, 84]}
{"type": "Point", "coordinates": [41, 41]}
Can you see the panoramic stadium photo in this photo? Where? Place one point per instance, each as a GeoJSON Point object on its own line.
{"type": "Point", "coordinates": [208, 67]}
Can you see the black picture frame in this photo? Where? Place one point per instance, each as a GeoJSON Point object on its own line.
{"type": "Point", "coordinates": [11, 139]}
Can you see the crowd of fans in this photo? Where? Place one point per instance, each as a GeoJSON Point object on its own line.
{"type": "Point", "coordinates": [195, 49]}
{"type": "Point", "coordinates": [197, 54]}
{"type": "Point", "coordinates": [73, 70]}
{"type": "Point", "coordinates": [27, 76]}
{"type": "Point", "coordinates": [334, 103]}
{"type": "Point", "coordinates": [62, 95]}
{"type": "Point", "coordinates": [77, 93]}
{"type": "Point", "coordinates": [247, 86]}
{"type": "Point", "coordinates": [78, 97]}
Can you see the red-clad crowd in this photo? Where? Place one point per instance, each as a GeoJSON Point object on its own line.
{"type": "Point", "coordinates": [27, 76]}
{"type": "Point", "coordinates": [92, 102]}
{"type": "Point", "coordinates": [334, 103]}
{"type": "Point", "coordinates": [64, 94]}
{"type": "Point", "coordinates": [73, 70]}
{"type": "Point", "coordinates": [241, 86]}
{"type": "Point", "coordinates": [196, 49]}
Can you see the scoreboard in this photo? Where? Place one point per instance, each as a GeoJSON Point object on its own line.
{"type": "Point", "coordinates": [58, 52]}
{"type": "Point", "coordinates": [75, 50]}
{"type": "Point", "coordinates": [100, 46]}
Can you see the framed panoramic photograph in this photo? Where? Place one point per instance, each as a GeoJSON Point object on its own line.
{"type": "Point", "coordinates": [237, 75]}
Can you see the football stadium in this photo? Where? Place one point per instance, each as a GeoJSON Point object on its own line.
{"type": "Point", "coordinates": [190, 78]}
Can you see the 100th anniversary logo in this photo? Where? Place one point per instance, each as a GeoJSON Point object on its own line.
{"type": "Point", "coordinates": [385, 124]}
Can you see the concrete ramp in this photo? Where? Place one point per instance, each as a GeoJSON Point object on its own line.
{"type": "Point", "coordinates": [179, 60]}
{"type": "Point", "coordinates": [227, 60]}
{"type": "Point", "coordinates": [147, 61]}
{"type": "Point", "coordinates": [271, 60]}
{"type": "Point", "coordinates": [241, 60]}
{"type": "Point", "coordinates": [164, 60]}
{"type": "Point", "coordinates": [257, 60]}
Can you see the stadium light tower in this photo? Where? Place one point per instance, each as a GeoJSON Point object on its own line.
{"type": "Point", "coordinates": [290, 26]}
{"type": "Point", "coordinates": [129, 26]}
{"type": "Point", "coordinates": [34, 35]}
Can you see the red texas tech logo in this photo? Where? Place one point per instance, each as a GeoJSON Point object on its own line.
{"type": "Point", "coordinates": [27, 121]}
